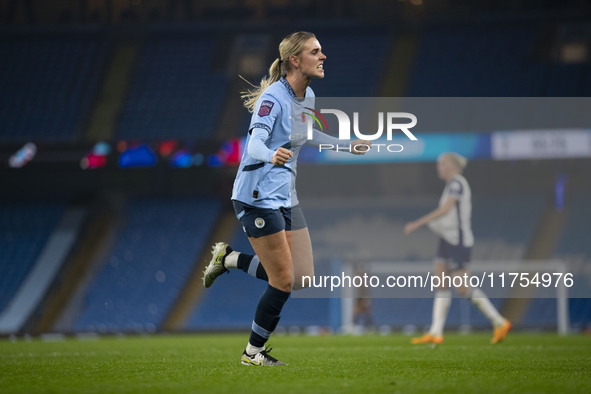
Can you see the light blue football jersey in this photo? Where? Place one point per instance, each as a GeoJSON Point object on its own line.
{"type": "Point", "coordinates": [279, 112]}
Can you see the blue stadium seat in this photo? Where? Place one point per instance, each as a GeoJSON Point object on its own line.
{"type": "Point", "coordinates": [24, 229]}
{"type": "Point", "coordinates": [154, 252]}
{"type": "Point", "coordinates": [175, 93]}
{"type": "Point", "coordinates": [47, 85]}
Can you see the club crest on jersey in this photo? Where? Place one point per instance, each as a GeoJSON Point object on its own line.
{"type": "Point", "coordinates": [259, 222]}
{"type": "Point", "coordinates": [266, 107]}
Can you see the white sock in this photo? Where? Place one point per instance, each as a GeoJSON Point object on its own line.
{"type": "Point", "coordinates": [480, 299]}
{"type": "Point", "coordinates": [441, 305]}
{"type": "Point", "coordinates": [252, 350]}
{"type": "Point", "coordinates": [231, 260]}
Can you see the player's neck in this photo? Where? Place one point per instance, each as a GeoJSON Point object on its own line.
{"type": "Point", "coordinates": [298, 83]}
{"type": "Point", "coordinates": [451, 176]}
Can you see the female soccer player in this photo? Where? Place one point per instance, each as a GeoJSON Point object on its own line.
{"type": "Point", "coordinates": [452, 222]}
{"type": "Point", "coordinates": [264, 195]}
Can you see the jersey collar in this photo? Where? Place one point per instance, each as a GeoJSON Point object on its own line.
{"type": "Point", "coordinates": [290, 90]}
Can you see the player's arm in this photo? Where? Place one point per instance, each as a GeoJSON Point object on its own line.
{"type": "Point", "coordinates": [435, 214]}
{"type": "Point", "coordinates": [266, 113]}
{"type": "Point", "coordinates": [259, 151]}
{"type": "Point", "coordinates": [358, 147]}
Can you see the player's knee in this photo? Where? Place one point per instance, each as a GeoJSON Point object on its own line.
{"type": "Point", "coordinates": [282, 281]}
{"type": "Point", "coordinates": [284, 285]}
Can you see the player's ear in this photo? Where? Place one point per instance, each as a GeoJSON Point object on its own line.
{"type": "Point", "coordinates": [294, 61]}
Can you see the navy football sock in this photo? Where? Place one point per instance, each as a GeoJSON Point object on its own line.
{"type": "Point", "coordinates": [267, 315]}
{"type": "Point", "coordinates": [252, 265]}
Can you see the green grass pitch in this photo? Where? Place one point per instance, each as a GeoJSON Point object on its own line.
{"type": "Point", "coordinates": [533, 363]}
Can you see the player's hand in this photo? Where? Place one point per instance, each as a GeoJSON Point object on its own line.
{"type": "Point", "coordinates": [281, 156]}
{"type": "Point", "coordinates": [410, 227]}
{"type": "Point", "coordinates": [362, 147]}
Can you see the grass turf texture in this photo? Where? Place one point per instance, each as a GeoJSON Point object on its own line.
{"type": "Point", "coordinates": [333, 364]}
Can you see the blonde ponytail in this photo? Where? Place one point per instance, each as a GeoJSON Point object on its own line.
{"type": "Point", "coordinates": [250, 96]}
{"type": "Point", "coordinates": [291, 45]}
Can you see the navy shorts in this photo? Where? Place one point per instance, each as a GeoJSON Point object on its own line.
{"type": "Point", "coordinates": [258, 222]}
{"type": "Point", "coordinates": [456, 257]}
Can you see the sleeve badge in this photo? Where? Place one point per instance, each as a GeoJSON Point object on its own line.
{"type": "Point", "coordinates": [266, 107]}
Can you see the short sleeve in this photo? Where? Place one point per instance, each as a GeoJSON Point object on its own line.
{"type": "Point", "coordinates": [265, 113]}
{"type": "Point", "coordinates": [455, 189]}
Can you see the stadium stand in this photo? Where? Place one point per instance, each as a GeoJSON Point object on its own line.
{"type": "Point", "coordinates": [492, 61]}
{"type": "Point", "coordinates": [175, 92]}
{"type": "Point", "coordinates": [24, 229]}
{"type": "Point", "coordinates": [576, 238]}
{"type": "Point", "coordinates": [352, 78]}
{"type": "Point", "coordinates": [154, 251]}
{"type": "Point", "coordinates": [47, 85]}
{"type": "Point", "coordinates": [503, 225]}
